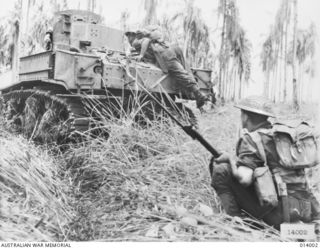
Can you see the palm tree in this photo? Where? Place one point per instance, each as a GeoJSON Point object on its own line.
{"type": "Point", "coordinates": [287, 18]}
{"type": "Point", "coordinates": [235, 48]}
{"type": "Point", "coordinates": [280, 39]}
{"type": "Point", "coordinates": [241, 51]}
{"type": "Point", "coordinates": [10, 39]}
{"type": "Point", "coordinates": [41, 17]}
{"type": "Point", "coordinates": [18, 38]}
{"type": "Point", "coordinates": [267, 60]}
{"type": "Point", "coordinates": [91, 5]}
{"type": "Point", "coordinates": [169, 29]}
{"type": "Point", "coordinates": [305, 50]}
{"type": "Point", "coordinates": [274, 54]}
{"type": "Point", "coordinates": [222, 56]}
{"type": "Point", "coordinates": [124, 20]}
{"type": "Point", "coordinates": [294, 51]}
{"type": "Point", "coordinates": [195, 37]}
{"type": "Point", "coordinates": [150, 7]}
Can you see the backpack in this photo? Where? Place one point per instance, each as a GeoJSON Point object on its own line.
{"type": "Point", "coordinates": [296, 144]}
{"type": "Point", "coordinates": [153, 32]}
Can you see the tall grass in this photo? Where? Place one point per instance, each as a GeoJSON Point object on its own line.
{"type": "Point", "coordinates": [34, 204]}
{"type": "Point", "coordinates": [149, 184]}
{"type": "Point", "coordinates": [145, 182]}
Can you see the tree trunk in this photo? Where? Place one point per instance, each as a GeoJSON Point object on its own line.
{"type": "Point", "coordinates": [300, 83]}
{"type": "Point", "coordinates": [294, 73]}
{"type": "Point", "coordinates": [285, 54]}
{"type": "Point", "coordinates": [185, 45]}
{"type": "Point", "coordinates": [234, 84]}
{"type": "Point", "coordinates": [240, 89]}
{"type": "Point", "coordinates": [17, 42]}
{"type": "Point", "coordinates": [222, 51]}
{"type": "Point", "coordinates": [225, 81]}
{"type": "Point", "coordinates": [280, 66]}
{"type": "Point", "coordinates": [275, 75]}
{"type": "Point", "coordinates": [15, 57]}
{"type": "Point", "coordinates": [267, 83]}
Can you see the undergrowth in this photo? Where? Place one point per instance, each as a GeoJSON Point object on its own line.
{"type": "Point", "coordinates": [141, 184]}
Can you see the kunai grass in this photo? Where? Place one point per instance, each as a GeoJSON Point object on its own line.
{"type": "Point", "coordinates": [146, 183]}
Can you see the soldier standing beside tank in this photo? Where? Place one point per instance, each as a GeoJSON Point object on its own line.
{"type": "Point", "coordinates": [155, 50]}
{"type": "Point", "coordinates": [234, 180]}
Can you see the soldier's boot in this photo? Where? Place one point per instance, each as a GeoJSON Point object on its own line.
{"type": "Point", "coordinates": [200, 97]}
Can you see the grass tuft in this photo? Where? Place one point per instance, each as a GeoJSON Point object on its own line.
{"type": "Point", "coordinates": [144, 183]}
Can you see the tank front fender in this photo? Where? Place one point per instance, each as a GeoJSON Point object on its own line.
{"type": "Point", "coordinates": [39, 84]}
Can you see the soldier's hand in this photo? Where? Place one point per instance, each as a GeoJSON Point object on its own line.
{"type": "Point", "coordinates": [223, 158]}
{"type": "Point", "coordinates": [139, 58]}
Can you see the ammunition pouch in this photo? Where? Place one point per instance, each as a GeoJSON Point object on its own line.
{"type": "Point", "coordinates": [264, 187]}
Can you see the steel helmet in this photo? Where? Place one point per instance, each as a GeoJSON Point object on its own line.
{"type": "Point", "coordinates": [128, 33]}
{"type": "Point", "coordinates": [256, 104]}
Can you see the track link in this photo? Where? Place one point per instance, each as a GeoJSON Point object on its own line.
{"type": "Point", "coordinates": [59, 118]}
{"type": "Point", "coordinates": [42, 116]}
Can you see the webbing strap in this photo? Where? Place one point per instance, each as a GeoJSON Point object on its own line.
{"type": "Point", "coordinates": [281, 186]}
{"type": "Point", "coordinates": [255, 136]}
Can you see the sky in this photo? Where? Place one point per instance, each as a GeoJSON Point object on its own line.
{"type": "Point", "coordinates": [256, 17]}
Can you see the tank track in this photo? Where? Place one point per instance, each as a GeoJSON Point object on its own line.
{"type": "Point", "coordinates": [59, 118]}
{"type": "Point", "coordinates": [42, 116]}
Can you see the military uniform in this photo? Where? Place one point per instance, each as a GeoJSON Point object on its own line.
{"type": "Point", "coordinates": [171, 61]}
{"type": "Point", "coordinates": [235, 197]}
{"type": "Point", "coordinates": [48, 40]}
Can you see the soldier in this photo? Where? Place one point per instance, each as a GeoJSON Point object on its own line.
{"type": "Point", "coordinates": [154, 50]}
{"type": "Point", "coordinates": [48, 39]}
{"type": "Point", "coordinates": [235, 180]}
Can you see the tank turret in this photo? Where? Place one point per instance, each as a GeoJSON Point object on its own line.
{"type": "Point", "coordinates": [82, 31]}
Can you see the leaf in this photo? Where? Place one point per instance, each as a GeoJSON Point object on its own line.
{"type": "Point", "coordinates": [189, 221]}
{"type": "Point", "coordinates": [205, 210]}
{"type": "Point", "coordinates": [153, 231]}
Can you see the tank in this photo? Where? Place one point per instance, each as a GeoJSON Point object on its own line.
{"type": "Point", "coordinates": [86, 71]}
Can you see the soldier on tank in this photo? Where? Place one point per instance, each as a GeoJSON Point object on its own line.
{"type": "Point", "coordinates": [48, 39]}
{"type": "Point", "coordinates": [153, 49]}
{"type": "Point", "coordinates": [250, 181]}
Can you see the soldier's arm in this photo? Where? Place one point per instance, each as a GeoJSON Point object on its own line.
{"type": "Point", "coordinates": [144, 46]}
{"type": "Point", "coordinates": [247, 160]}
{"type": "Point", "coordinates": [243, 174]}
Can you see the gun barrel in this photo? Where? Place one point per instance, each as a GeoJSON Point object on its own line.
{"type": "Point", "coordinates": [196, 135]}
{"type": "Point", "coordinates": [188, 129]}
